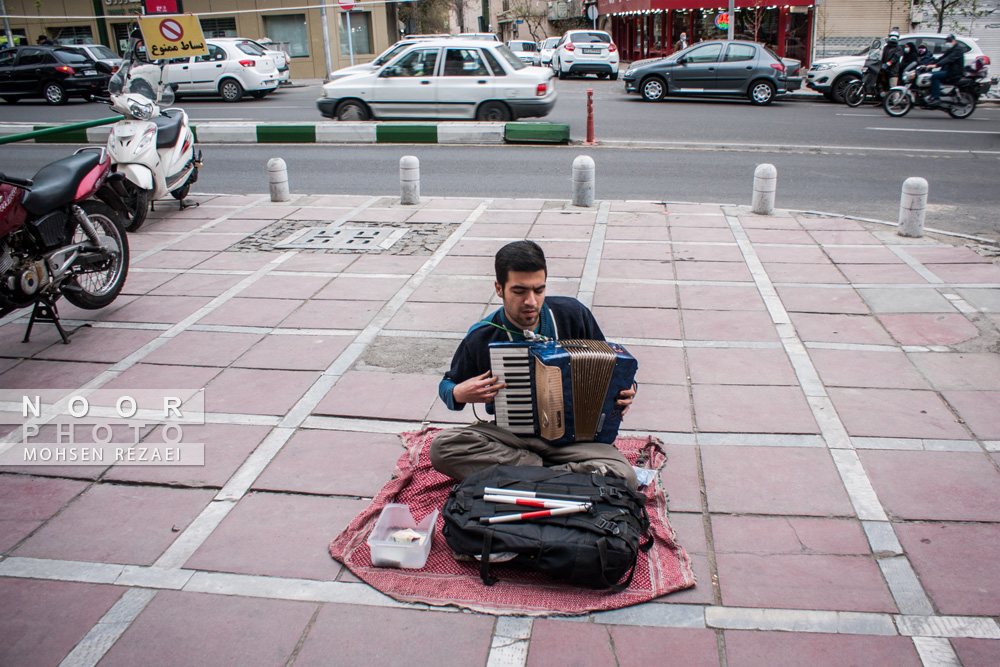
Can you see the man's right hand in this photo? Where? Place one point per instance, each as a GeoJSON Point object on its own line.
{"type": "Point", "coordinates": [479, 389]}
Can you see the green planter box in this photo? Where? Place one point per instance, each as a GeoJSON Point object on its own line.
{"type": "Point", "coordinates": [536, 133]}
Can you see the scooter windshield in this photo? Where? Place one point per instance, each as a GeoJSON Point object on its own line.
{"type": "Point", "coordinates": [140, 76]}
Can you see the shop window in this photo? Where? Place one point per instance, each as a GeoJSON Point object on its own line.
{"type": "Point", "coordinates": [290, 29]}
{"type": "Point", "coordinates": [361, 33]}
{"type": "Point", "coordinates": [218, 27]}
{"type": "Point", "coordinates": [79, 34]}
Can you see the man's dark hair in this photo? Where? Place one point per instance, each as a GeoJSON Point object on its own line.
{"type": "Point", "coordinates": [526, 256]}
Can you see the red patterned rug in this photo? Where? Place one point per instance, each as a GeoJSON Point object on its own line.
{"type": "Point", "coordinates": [444, 581]}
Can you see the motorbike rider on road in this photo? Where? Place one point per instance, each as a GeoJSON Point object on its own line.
{"type": "Point", "coordinates": [949, 68]}
{"type": "Point", "coordinates": [891, 56]}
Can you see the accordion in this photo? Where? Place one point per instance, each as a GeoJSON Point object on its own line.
{"type": "Point", "coordinates": [561, 391]}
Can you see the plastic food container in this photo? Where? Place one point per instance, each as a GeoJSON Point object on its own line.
{"type": "Point", "coordinates": [387, 552]}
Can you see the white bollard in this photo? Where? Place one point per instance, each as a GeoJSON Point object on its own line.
{"type": "Point", "coordinates": [409, 180]}
{"type": "Point", "coordinates": [765, 184]}
{"type": "Point", "coordinates": [277, 174]}
{"type": "Point", "coordinates": [912, 207]}
{"type": "Point", "coordinates": [584, 175]}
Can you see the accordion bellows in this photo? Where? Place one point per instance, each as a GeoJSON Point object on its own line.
{"type": "Point", "coordinates": [561, 391]}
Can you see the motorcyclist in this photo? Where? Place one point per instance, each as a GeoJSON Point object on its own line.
{"type": "Point", "coordinates": [924, 55]}
{"type": "Point", "coordinates": [891, 55]}
{"type": "Point", "coordinates": [949, 68]}
{"type": "Point", "coordinates": [909, 57]}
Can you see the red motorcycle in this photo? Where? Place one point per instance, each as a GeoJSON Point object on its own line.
{"type": "Point", "coordinates": [57, 240]}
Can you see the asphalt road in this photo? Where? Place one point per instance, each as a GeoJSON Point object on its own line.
{"type": "Point", "coordinates": [829, 157]}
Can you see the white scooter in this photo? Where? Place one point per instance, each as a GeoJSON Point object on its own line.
{"type": "Point", "coordinates": [153, 146]}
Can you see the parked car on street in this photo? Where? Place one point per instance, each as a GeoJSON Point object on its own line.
{"type": "Point", "coordinates": [545, 49]}
{"type": "Point", "coordinates": [53, 73]}
{"type": "Point", "coordinates": [384, 57]}
{"type": "Point", "coordinates": [232, 67]}
{"type": "Point", "coordinates": [479, 36]}
{"type": "Point", "coordinates": [586, 52]}
{"type": "Point", "coordinates": [720, 67]}
{"type": "Point", "coordinates": [282, 60]}
{"type": "Point", "coordinates": [448, 79]}
{"type": "Point", "coordinates": [525, 50]}
{"type": "Point", "coordinates": [830, 76]}
{"type": "Point", "coordinates": [98, 53]}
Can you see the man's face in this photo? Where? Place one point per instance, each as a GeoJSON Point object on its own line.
{"type": "Point", "coordinates": [523, 296]}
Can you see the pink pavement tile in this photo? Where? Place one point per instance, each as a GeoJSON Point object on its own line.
{"type": "Point", "coordinates": [935, 486]}
{"type": "Point", "coordinates": [26, 502]}
{"type": "Point", "coordinates": [714, 297]}
{"type": "Point", "coordinates": [197, 284]}
{"type": "Point", "coordinates": [331, 314]}
{"type": "Point", "coordinates": [721, 271]}
{"type": "Point", "coordinates": [819, 272]}
{"type": "Point", "coordinates": [638, 205]}
{"type": "Point", "coordinates": [659, 407]}
{"type": "Point", "coordinates": [686, 647]}
{"type": "Point", "coordinates": [208, 241]}
{"type": "Point", "coordinates": [704, 221]}
{"type": "Point", "coordinates": [701, 234]}
{"type": "Point", "coordinates": [454, 289]}
{"type": "Point", "coordinates": [322, 262]}
{"type": "Point", "coordinates": [844, 237]}
{"type": "Point", "coordinates": [929, 328]}
{"type": "Point", "coordinates": [240, 226]}
{"type": "Point", "coordinates": [270, 211]}
{"type": "Point", "coordinates": [111, 523]}
{"type": "Point", "coordinates": [881, 274]}
{"type": "Point", "coordinates": [152, 376]}
{"type": "Point", "coordinates": [294, 353]}
{"type": "Point", "coordinates": [508, 217]}
{"type": "Point", "coordinates": [860, 368]}
{"type": "Point", "coordinates": [740, 366]}
{"type": "Point", "coordinates": [659, 365]}
{"type": "Point", "coordinates": [382, 215]}
{"type": "Point", "coordinates": [554, 231]}
{"type": "Point", "coordinates": [822, 328]}
{"type": "Point", "coordinates": [792, 649]}
{"type": "Point", "coordinates": [966, 273]}
{"type": "Point", "coordinates": [381, 395]}
{"type": "Point", "coordinates": [780, 236]}
{"type": "Point", "coordinates": [565, 267]}
{"type": "Point", "coordinates": [652, 234]}
{"type": "Point", "coordinates": [239, 261]}
{"type": "Point", "coordinates": [656, 252]}
{"type": "Point", "coordinates": [649, 219]}
{"type": "Point", "coordinates": [81, 435]}
{"type": "Point", "coordinates": [896, 413]}
{"type": "Point", "coordinates": [173, 259]}
{"type": "Point", "coordinates": [638, 322]}
{"type": "Point", "coordinates": [680, 479]}
{"type": "Point", "coordinates": [959, 370]}
{"type": "Point", "coordinates": [369, 635]}
{"type": "Point", "coordinates": [251, 312]}
{"type": "Point", "coordinates": [278, 535]}
{"type": "Point", "coordinates": [158, 309]}
{"type": "Point", "coordinates": [242, 391]}
{"type": "Point", "coordinates": [635, 269]}
{"type": "Point", "coordinates": [100, 345]}
{"type": "Point", "coordinates": [556, 642]}
{"type": "Point", "coordinates": [357, 288]}
{"type": "Point", "coordinates": [202, 348]}
{"type": "Point", "coordinates": [350, 201]}
{"type": "Point", "coordinates": [728, 325]}
{"type": "Point", "coordinates": [787, 535]}
{"type": "Point", "coordinates": [834, 300]}
{"type": "Point", "coordinates": [68, 311]}
{"type": "Point", "coordinates": [803, 581]}
{"type": "Point", "coordinates": [143, 282]}
{"type": "Point", "coordinates": [479, 247]}
{"type": "Point", "coordinates": [635, 295]}
{"type": "Point", "coordinates": [500, 230]}
{"type": "Point", "coordinates": [768, 222]}
{"type": "Point", "coordinates": [977, 652]}
{"type": "Point", "coordinates": [427, 215]}
{"type": "Point", "coordinates": [41, 621]}
{"type": "Point", "coordinates": [752, 409]}
{"type": "Point", "coordinates": [453, 203]}
{"type": "Point", "coordinates": [323, 215]}
{"type": "Point", "coordinates": [181, 628]}
{"type": "Point", "coordinates": [32, 374]}
{"type": "Point", "coordinates": [956, 564]}
{"type": "Point", "coordinates": [566, 218]}
{"type": "Point", "coordinates": [402, 264]}
{"type": "Point", "coordinates": [687, 208]}
{"type": "Point", "coordinates": [697, 252]}
{"type": "Point", "coordinates": [705, 590]}
{"type": "Point", "coordinates": [773, 480]}
{"type": "Point", "coordinates": [455, 317]}
{"type": "Point", "coordinates": [464, 266]}
{"type": "Point", "coordinates": [564, 249]}
{"type": "Point", "coordinates": [830, 224]}
{"type": "Point", "coordinates": [946, 255]}
{"type": "Point", "coordinates": [978, 409]}
{"type": "Point", "coordinates": [276, 285]}
{"type": "Point", "coordinates": [226, 448]}
{"type": "Point", "coordinates": [364, 463]}
{"type": "Point", "coordinates": [517, 204]}
{"type": "Point", "coordinates": [866, 255]}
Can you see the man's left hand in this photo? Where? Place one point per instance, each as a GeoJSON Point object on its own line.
{"type": "Point", "coordinates": [624, 401]}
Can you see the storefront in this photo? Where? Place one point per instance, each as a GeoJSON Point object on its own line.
{"type": "Point", "coordinates": [652, 28]}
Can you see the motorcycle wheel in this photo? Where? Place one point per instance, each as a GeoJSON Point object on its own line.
{"type": "Point", "coordinates": [854, 93]}
{"type": "Point", "coordinates": [897, 104]}
{"type": "Point", "coordinates": [964, 107]}
{"type": "Point", "coordinates": [137, 203]}
{"type": "Point", "coordinates": [180, 193]}
{"type": "Point", "coordinates": [100, 285]}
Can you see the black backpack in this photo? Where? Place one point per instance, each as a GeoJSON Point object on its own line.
{"type": "Point", "coordinates": [596, 548]}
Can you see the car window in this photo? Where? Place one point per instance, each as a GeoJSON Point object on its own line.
{"type": "Point", "coordinates": [391, 53]}
{"type": "Point", "coordinates": [590, 37]}
{"type": "Point", "coordinates": [464, 62]}
{"type": "Point", "coordinates": [419, 62]}
{"type": "Point", "coordinates": [704, 54]}
{"type": "Point", "coordinates": [103, 51]}
{"type": "Point", "coordinates": [739, 53]}
{"type": "Point", "coordinates": [7, 58]}
{"type": "Point", "coordinates": [71, 57]}
{"type": "Point", "coordinates": [550, 43]}
{"type": "Point", "coordinates": [214, 54]}
{"type": "Point", "coordinates": [509, 56]}
{"type": "Point", "coordinates": [250, 49]}
{"type": "Point", "coordinates": [495, 65]}
{"type": "Point", "coordinates": [178, 61]}
{"type": "Point", "coordinates": [31, 57]}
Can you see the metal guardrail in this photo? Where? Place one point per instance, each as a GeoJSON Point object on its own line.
{"type": "Point", "coordinates": [60, 129]}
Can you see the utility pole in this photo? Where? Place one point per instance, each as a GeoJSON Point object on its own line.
{"type": "Point", "coordinates": [6, 24]}
{"type": "Point", "coordinates": [732, 18]}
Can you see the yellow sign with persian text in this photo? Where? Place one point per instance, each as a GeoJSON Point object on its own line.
{"type": "Point", "coordinates": [173, 36]}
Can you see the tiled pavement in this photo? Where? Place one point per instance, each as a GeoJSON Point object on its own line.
{"type": "Point", "coordinates": [827, 394]}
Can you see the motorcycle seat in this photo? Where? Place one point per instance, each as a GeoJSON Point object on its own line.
{"type": "Point", "coordinates": [55, 184]}
{"type": "Point", "coordinates": [168, 130]}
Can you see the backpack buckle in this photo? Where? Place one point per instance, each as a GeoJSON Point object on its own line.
{"type": "Point", "coordinates": [611, 492]}
{"type": "Point", "coordinates": [608, 526]}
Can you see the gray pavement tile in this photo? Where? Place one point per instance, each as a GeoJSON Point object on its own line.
{"type": "Point", "coordinates": [905, 300]}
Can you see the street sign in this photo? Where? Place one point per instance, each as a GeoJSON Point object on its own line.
{"type": "Point", "coordinates": [174, 36]}
{"type": "Point", "coordinates": [592, 12]}
{"type": "Point", "coordinates": [346, 5]}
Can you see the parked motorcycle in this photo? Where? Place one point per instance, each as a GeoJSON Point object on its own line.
{"type": "Point", "coordinates": [959, 99]}
{"type": "Point", "coordinates": [153, 146]}
{"type": "Point", "coordinates": [56, 240]}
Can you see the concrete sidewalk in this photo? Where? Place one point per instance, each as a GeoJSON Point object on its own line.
{"type": "Point", "coordinates": [827, 393]}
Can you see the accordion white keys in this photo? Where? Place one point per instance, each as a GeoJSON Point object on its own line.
{"type": "Point", "coordinates": [561, 391]}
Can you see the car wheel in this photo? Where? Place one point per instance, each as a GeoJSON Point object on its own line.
{"type": "Point", "coordinates": [55, 93]}
{"type": "Point", "coordinates": [837, 90]}
{"type": "Point", "coordinates": [493, 112]}
{"type": "Point", "coordinates": [352, 110]}
{"type": "Point", "coordinates": [614, 76]}
{"type": "Point", "coordinates": [562, 74]}
{"type": "Point", "coordinates": [761, 92]}
{"type": "Point", "coordinates": [259, 94]}
{"type": "Point", "coordinates": [653, 89]}
{"type": "Point", "coordinates": [602, 75]}
{"type": "Point", "coordinates": [829, 96]}
{"type": "Point", "coordinates": [231, 90]}
{"type": "Point", "coordinates": [10, 99]}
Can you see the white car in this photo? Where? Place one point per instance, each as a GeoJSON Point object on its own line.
{"type": "Point", "coordinates": [232, 67]}
{"type": "Point", "coordinates": [586, 52]}
{"type": "Point", "coordinates": [282, 60]}
{"type": "Point", "coordinates": [383, 57]}
{"type": "Point", "coordinates": [445, 79]}
{"type": "Point", "coordinates": [830, 76]}
{"type": "Point", "coordinates": [98, 53]}
{"type": "Point", "coordinates": [525, 50]}
{"type": "Point", "coordinates": [545, 50]}
{"type": "Point", "coordinates": [479, 36]}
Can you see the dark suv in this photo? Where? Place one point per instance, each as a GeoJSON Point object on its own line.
{"type": "Point", "coordinates": [50, 72]}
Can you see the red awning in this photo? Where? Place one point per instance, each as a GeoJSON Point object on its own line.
{"type": "Point", "coordinates": [622, 6]}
